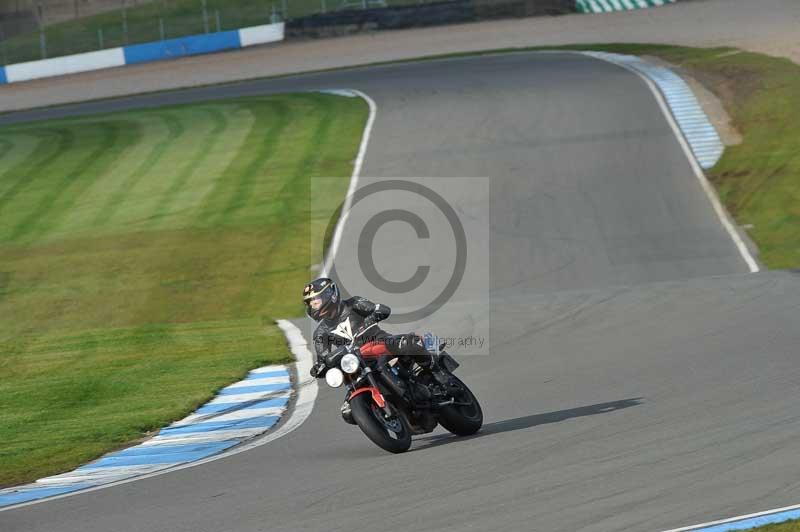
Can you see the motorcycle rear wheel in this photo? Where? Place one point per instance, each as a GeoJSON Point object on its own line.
{"type": "Point", "coordinates": [391, 435]}
{"type": "Point", "coordinates": [462, 420]}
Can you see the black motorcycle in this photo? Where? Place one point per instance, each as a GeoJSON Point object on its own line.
{"type": "Point", "coordinates": [391, 399]}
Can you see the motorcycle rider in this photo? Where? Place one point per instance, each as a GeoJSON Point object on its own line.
{"type": "Point", "coordinates": [339, 322]}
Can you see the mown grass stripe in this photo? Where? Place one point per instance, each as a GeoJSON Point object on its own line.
{"type": "Point", "coordinates": [271, 137]}
{"type": "Point", "coordinates": [99, 156]}
{"type": "Point", "coordinates": [33, 167]}
{"type": "Point", "coordinates": [120, 135]}
{"type": "Point", "coordinates": [238, 178]}
{"type": "Point", "coordinates": [22, 148]}
{"type": "Point", "coordinates": [204, 150]}
{"type": "Point", "coordinates": [5, 147]}
{"type": "Point", "coordinates": [174, 131]}
{"type": "Point", "coordinates": [293, 194]}
{"type": "Point", "coordinates": [297, 186]}
{"type": "Point", "coordinates": [195, 198]}
{"type": "Point", "coordinates": [110, 331]}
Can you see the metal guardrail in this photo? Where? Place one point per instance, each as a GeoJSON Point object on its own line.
{"type": "Point", "coordinates": [35, 33]}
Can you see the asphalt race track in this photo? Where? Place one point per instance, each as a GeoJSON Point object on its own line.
{"type": "Point", "coordinates": [639, 378]}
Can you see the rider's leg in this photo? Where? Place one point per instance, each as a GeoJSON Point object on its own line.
{"type": "Point", "coordinates": [409, 345]}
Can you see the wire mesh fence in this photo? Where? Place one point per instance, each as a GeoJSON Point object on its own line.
{"type": "Point", "coordinates": [129, 23]}
{"type": "Point", "coordinates": [39, 29]}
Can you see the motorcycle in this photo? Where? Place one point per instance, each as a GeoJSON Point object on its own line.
{"type": "Point", "coordinates": [391, 399]}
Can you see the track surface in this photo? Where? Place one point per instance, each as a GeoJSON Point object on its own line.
{"type": "Point", "coordinates": [639, 379]}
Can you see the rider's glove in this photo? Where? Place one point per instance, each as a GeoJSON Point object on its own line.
{"type": "Point", "coordinates": [318, 370]}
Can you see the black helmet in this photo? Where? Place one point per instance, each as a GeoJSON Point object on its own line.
{"type": "Point", "coordinates": [321, 298]}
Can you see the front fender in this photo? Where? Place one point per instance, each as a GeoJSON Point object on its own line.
{"type": "Point", "coordinates": [377, 396]}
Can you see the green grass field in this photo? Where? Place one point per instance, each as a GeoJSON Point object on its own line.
{"type": "Point", "coordinates": [143, 258]}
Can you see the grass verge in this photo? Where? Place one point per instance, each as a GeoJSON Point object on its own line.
{"type": "Point", "coordinates": [143, 258]}
{"type": "Point", "coordinates": [786, 526]}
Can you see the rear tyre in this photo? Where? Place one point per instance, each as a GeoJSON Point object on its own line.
{"type": "Point", "coordinates": [391, 434]}
{"type": "Point", "coordinates": [462, 420]}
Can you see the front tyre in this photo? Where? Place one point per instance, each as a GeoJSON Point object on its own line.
{"type": "Point", "coordinates": [462, 420]}
{"type": "Point", "coordinates": [391, 434]}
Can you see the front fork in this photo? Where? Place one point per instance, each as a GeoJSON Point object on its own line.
{"type": "Point", "coordinates": [374, 383]}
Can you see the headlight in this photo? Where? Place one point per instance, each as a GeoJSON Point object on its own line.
{"type": "Point", "coordinates": [334, 377]}
{"type": "Point", "coordinates": [350, 363]}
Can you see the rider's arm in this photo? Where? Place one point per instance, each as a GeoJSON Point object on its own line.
{"type": "Point", "coordinates": [368, 309]}
{"type": "Point", "coordinates": [320, 346]}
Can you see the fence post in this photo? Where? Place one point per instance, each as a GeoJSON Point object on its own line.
{"type": "Point", "coordinates": [100, 38]}
{"type": "Point", "coordinates": [324, 6]}
{"type": "Point", "coordinates": [124, 22]}
{"type": "Point", "coordinates": [42, 38]}
{"type": "Point", "coordinates": [161, 31]}
{"type": "Point", "coordinates": [3, 44]}
{"type": "Point", "coordinates": [219, 21]}
{"type": "Point", "coordinates": [205, 16]}
{"type": "Point", "coordinates": [284, 10]}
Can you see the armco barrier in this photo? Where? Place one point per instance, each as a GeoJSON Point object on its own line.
{"type": "Point", "coordinates": [69, 64]}
{"type": "Point", "coordinates": [182, 46]}
{"type": "Point", "coordinates": [261, 34]}
{"type": "Point", "coordinates": [142, 53]}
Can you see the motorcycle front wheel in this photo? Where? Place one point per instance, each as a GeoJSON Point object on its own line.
{"type": "Point", "coordinates": [392, 434]}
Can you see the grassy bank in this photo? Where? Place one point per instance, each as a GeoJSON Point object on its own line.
{"type": "Point", "coordinates": [143, 258]}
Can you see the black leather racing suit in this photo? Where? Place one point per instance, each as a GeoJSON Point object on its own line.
{"type": "Point", "coordinates": [358, 319]}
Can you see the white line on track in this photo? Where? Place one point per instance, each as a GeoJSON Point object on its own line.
{"type": "Point", "coordinates": [735, 519]}
{"type": "Point", "coordinates": [698, 172]}
{"type": "Point", "coordinates": [362, 151]}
